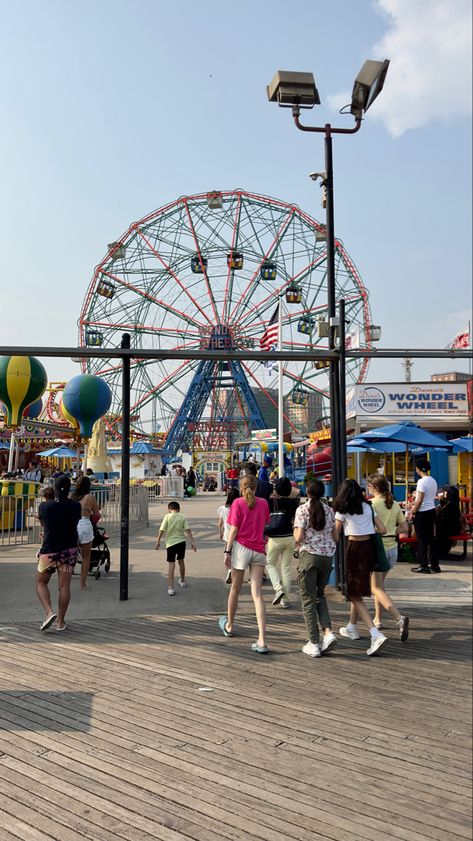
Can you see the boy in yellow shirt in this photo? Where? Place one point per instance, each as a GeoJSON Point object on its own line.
{"type": "Point", "coordinates": [176, 528]}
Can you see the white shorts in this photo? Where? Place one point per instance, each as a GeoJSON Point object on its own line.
{"type": "Point", "coordinates": [85, 531]}
{"type": "Point", "coordinates": [242, 557]}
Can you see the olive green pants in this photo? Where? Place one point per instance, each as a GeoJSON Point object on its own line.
{"type": "Point", "coordinates": [313, 573]}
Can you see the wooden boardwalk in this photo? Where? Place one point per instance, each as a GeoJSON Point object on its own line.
{"type": "Point", "coordinates": [156, 727]}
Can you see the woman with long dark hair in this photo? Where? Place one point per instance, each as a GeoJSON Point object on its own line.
{"type": "Point", "coordinates": [449, 519]}
{"type": "Point", "coordinates": [356, 518]}
{"type": "Point", "coordinates": [245, 549]}
{"type": "Point", "coordinates": [85, 529]}
{"type": "Point", "coordinates": [281, 541]}
{"type": "Point", "coordinates": [314, 525]}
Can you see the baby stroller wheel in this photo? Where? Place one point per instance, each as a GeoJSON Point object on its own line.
{"type": "Point", "coordinates": [97, 573]}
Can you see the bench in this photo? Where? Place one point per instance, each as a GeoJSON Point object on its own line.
{"type": "Point", "coordinates": [458, 538]}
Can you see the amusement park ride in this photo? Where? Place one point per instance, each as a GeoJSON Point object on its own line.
{"type": "Point", "coordinates": [207, 271]}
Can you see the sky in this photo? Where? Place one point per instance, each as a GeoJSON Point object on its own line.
{"type": "Point", "coordinates": [112, 108]}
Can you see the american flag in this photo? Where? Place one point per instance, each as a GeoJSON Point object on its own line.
{"type": "Point", "coordinates": [269, 339]}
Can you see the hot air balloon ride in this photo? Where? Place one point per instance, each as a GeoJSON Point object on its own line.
{"type": "Point", "coordinates": [86, 398]}
{"type": "Point", "coordinates": [34, 410]}
{"type": "Point", "coordinates": [23, 380]}
{"type": "Point", "coordinates": [68, 417]}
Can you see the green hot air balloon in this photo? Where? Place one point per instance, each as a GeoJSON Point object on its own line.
{"type": "Point", "coordinates": [23, 380]}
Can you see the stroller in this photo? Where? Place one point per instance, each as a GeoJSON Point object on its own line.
{"type": "Point", "coordinates": [100, 553]}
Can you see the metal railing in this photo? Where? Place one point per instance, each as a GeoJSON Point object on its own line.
{"type": "Point", "coordinates": [109, 505]}
{"type": "Point", "coordinates": [19, 523]}
{"type": "Point", "coordinates": [164, 487]}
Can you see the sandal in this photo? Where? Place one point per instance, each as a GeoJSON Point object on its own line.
{"type": "Point", "coordinates": [222, 624]}
{"type": "Point", "coordinates": [260, 649]}
{"type": "Point", "coordinates": [48, 622]}
{"type": "Point", "coordinates": [60, 630]}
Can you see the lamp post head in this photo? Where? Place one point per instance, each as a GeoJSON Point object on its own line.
{"type": "Point", "coordinates": [368, 85]}
{"type": "Point", "coordinates": [288, 89]}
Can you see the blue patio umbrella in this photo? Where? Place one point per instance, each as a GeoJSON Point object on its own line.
{"type": "Point", "coordinates": [361, 445]}
{"type": "Point", "coordinates": [403, 437]}
{"type": "Point", "coordinates": [58, 452]}
{"type": "Point", "coordinates": [465, 443]}
{"type": "Point", "coordinates": [408, 434]}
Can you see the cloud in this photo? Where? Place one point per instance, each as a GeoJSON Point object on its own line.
{"type": "Point", "coordinates": [429, 45]}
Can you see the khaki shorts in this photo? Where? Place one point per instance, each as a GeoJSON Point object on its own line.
{"type": "Point", "coordinates": [242, 557]}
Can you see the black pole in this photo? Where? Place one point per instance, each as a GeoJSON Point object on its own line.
{"type": "Point", "coordinates": [125, 472]}
{"type": "Point", "coordinates": [331, 312]}
{"type": "Point", "coordinates": [343, 406]}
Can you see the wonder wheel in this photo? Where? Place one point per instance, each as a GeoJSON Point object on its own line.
{"type": "Point", "coordinates": [207, 271]}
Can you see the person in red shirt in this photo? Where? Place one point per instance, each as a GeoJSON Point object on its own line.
{"type": "Point", "coordinates": [233, 475]}
{"type": "Point", "coordinates": [246, 548]}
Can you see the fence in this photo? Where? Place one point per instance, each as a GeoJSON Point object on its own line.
{"type": "Point", "coordinates": [164, 487]}
{"type": "Point", "coordinates": [19, 523]}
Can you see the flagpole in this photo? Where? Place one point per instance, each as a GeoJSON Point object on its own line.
{"type": "Point", "coordinates": [280, 398]}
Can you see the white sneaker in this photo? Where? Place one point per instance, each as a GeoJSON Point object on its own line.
{"type": "Point", "coordinates": [285, 603]}
{"type": "Point", "coordinates": [311, 649]}
{"type": "Point", "coordinates": [329, 641]}
{"type": "Point", "coordinates": [182, 583]}
{"type": "Point", "coordinates": [171, 592]}
{"type": "Point", "coordinates": [348, 634]}
{"type": "Point", "coordinates": [376, 644]}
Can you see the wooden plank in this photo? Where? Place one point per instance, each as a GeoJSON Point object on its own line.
{"type": "Point", "coordinates": [284, 748]}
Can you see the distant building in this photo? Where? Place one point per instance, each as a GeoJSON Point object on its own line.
{"type": "Point", "coordinates": [267, 401]}
{"type": "Point", "coordinates": [451, 377]}
{"type": "Point", "coordinates": [305, 418]}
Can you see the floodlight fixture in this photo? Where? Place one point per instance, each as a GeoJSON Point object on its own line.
{"type": "Point", "coordinates": [289, 89]}
{"type": "Point", "coordinates": [368, 85]}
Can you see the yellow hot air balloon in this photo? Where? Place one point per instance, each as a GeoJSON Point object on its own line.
{"type": "Point", "coordinates": [22, 381]}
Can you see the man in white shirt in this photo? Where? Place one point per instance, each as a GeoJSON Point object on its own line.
{"type": "Point", "coordinates": [423, 515]}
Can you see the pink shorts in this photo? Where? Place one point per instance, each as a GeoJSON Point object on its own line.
{"type": "Point", "coordinates": [64, 560]}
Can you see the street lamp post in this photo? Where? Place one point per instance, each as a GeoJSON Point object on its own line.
{"type": "Point", "coordinates": [297, 91]}
{"type": "Point", "coordinates": [125, 472]}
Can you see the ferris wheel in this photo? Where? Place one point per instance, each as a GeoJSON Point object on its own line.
{"type": "Point", "coordinates": [211, 269]}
